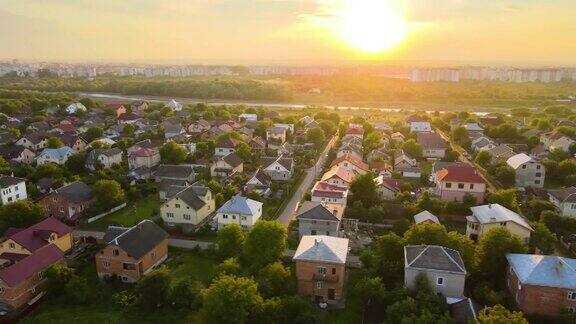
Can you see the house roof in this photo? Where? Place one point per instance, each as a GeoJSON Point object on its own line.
{"type": "Point", "coordinates": [75, 192]}
{"type": "Point", "coordinates": [261, 176]}
{"type": "Point", "coordinates": [228, 143]}
{"type": "Point", "coordinates": [257, 140]}
{"type": "Point", "coordinates": [174, 171]}
{"type": "Point", "coordinates": [517, 160]}
{"type": "Point", "coordinates": [36, 236]}
{"type": "Point", "coordinates": [233, 159]}
{"type": "Point", "coordinates": [502, 150]}
{"type": "Point", "coordinates": [544, 270]}
{"type": "Point", "coordinates": [474, 127]}
{"type": "Point", "coordinates": [7, 181]}
{"type": "Point", "coordinates": [10, 152]}
{"type": "Point", "coordinates": [191, 196]}
{"type": "Point", "coordinates": [424, 216]}
{"type": "Point", "coordinates": [94, 154]}
{"type": "Point", "coordinates": [145, 152]}
{"type": "Point", "coordinates": [139, 239]}
{"type": "Point", "coordinates": [338, 172]}
{"type": "Point", "coordinates": [287, 163]}
{"type": "Point", "coordinates": [31, 265]}
{"type": "Point", "coordinates": [433, 257]}
{"type": "Point", "coordinates": [437, 166]}
{"type": "Point", "coordinates": [321, 248]}
{"type": "Point", "coordinates": [58, 153]}
{"type": "Point", "coordinates": [465, 311]}
{"type": "Point", "coordinates": [431, 141]}
{"type": "Point", "coordinates": [420, 126]}
{"type": "Point", "coordinates": [276, 130]}
{"type": "Point", "coordinates": [327, 190]}
{"type": "Point", "coordinates": [240, 205]}
{"type": "Point", "coordinates": [496, 213]}
{"type": "Point", "coordinates": [349, 158]}
{"type": "Point", "coordinates": [564, 194]}
{"type": "Point", "coordinates": [317, 211]}
{"type": "Point", "coordinates": [459, 174]}
{"type": "Point", "coordinates": [391, 184]}
{"type": "Point", "coordinates": [35, 138]}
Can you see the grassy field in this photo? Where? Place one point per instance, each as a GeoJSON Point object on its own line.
{"type": "Point", "coordinates": [182, 264]}
{"type": "Point", "coordinates": [128, 216]}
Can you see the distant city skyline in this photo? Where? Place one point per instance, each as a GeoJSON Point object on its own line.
{"type": "Point", "coordinates": [289, 32]}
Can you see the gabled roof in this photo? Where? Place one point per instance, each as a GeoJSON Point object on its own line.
{"type": "Point", "coordinates": [474, 127]}
{"type": "Point", "coordinates": [31, 265]}
{"type": "Point", "coordinates": [145, 152]}
{"type": "Point", "coordinates": [139, 239]}
{"type": "Point", "coordinates": [257, 140]}
{"type": "Point", "coordinates": [349, 158]}
{"type": "Point", "coordinates": [287, 163]}
{"type": "Point", "coordinates": [328, 190]}
{"type": "Point", "coordinates": [191, 196]}
{"type": "Point", "coordinates": [564, 194]}
{"type": "Point", "coordinates": [459, 174]}
{"type": "Point", "coordinates": [232, 159]}
{"type": "Point", "coordinates": [276, 130]}
{"type": "Point", "coordinates": [75, 192]}
{"type": "Point", "coordinates": [425, 216]}
{"type": "Point", "coordinates": [338, 172]}
{"type": "Point", "coordinates": [321, 248]}
{"type": "Point", "coordinates": [317, 211]}
{"type": "Point", "coordinates": [431, 141]}
{"type": "Point", "coordinates": [57, 153]}
{"type": "Point", "coordinates": [433, 257]}
{"type": "Point", "coordinates": [465, 311]}
{"type": "Point", "coordinates": [174, 171]}
{"type": "Point", "coordinates": [544, 270]}
{"type": "Point", "coordinates": [496, 213]}
{"type": "Point", "coordinates": [36, 236]}
{"type": "Point", "coordinates": [517, 160]}
{"type": "Point", "coordinates": [7, 181]}
{"type": "Point", "coordinates": [391, 184]}
{"type": "Point", "coordinates": [241, 205]}
{"type": "Point", "coordinates": [261, 177]}
{"type": "Point", "coordinates": [228, 143]}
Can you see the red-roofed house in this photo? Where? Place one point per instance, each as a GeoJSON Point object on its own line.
{"type": "Point", "coordinates": [327, 193]}
{"type": "Point", "coordinates": [454, 182]}
{"type": "Point", "coordinates": [26, 241]}
{"type": "Point", "coordinates": [144, 157]}
{"type": "Point", "coordinates": [387, 187]}
{"type": "Point", "coordinates": [338, 176]}
{"type": "Point", "coordinates": [350, 163]}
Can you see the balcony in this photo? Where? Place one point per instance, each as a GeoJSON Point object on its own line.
{"type": "Point", "coordinates": [325, 277]}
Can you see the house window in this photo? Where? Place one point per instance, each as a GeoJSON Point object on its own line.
{"type": "Point", "coordinates": [186, 217]}
{"type": "Point", "coordinates": [537, 181]}
{"type": "Point", "coordinates": [538, 174]}
{"type": "Point", "coordinates": [243, 218]}
{"type": "Point", "coordinates": [440, 281]}
{"type": "Point", "coordinates": [471, 186]}
{"type": "Point", "coordinates": [321, 270]}
{"type": "Point", "coordinates": [333, 271]}
{"type": "Point", "coordinates": [233, 216]}
{"type": "Point", "coordinates": [177, 205]}
{"type": "Point", "coordinates": [570, 310]}
{"type": "Point", "coordinates": [538, 167]}
{"type": "Point", "coordinates": [129, 266]}
{"type": "Point", "coordinates": [319, 284]}
{"type": "Point", "coordinates": [502, 223]}
{"type": "Point", "coordinates": [106, 264]}
{"type": "Point", "coordinates": [572, 295]}
{"type": "Point", "coordinates": [460, 186]}
{"type": "Point", "coordinates": [225, 216]}
{"type": "Point", "coordinates": [448, 184]}
{"type": "Point", "coordinates": [170, 215]}
{"type": "Point", "coordinates": [12, 246]}
{"type": "Point", "coordinates": [116, 252]}
{"type": "Point", "coordinates": [1, 290]}
{"type": "Point", "coordinates": [524, 166]}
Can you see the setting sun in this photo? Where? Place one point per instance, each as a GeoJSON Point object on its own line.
{"type": "Point", "coordinates": [371, 25]}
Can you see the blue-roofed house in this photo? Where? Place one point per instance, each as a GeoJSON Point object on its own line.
{"type": "Point", "coordinates": [239, 210]}
{"type": "Point", "coordinates": [542, 284]}
{"type": "Point", "coordinates": [55, 155]}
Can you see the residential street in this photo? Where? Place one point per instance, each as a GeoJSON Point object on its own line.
{"type": "Point", "coordinates": [289, 211]}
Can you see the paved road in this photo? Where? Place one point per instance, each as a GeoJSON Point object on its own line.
{"type": "Point", "coordinates": [289, 211]}
{"type": "Point", "coordinates": [179, 243]}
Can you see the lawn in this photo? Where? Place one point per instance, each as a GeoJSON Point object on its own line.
{"type": "Point", "coordinates": [129, 215]}
{"type": "Point", "coordinates": [181, 264]}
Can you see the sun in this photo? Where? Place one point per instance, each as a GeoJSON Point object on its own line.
{"type": "Point", "coordinates": [371, 26]}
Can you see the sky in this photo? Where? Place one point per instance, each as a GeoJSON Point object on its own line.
{"type": "Point", "coordinates": [288, 31]}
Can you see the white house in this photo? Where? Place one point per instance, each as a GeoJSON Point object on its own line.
{"type": "Point", "coordinates": [75, 107]}
{"type": "Point", "coordinates": [529, 172]}
{"type": "Point", "coordinates": [565, 200]}
{"type": "Point", "coordinates": [239, 210]}
{"type": "Point", "coordinates": [58, 156]}
{"type": "Point", "coordinates": [249, 117]}
{"type": "Point", "coordinates": [174, 105]}
{"type": "Point", "coordinates": [278, 168]}
{"type": "Point", "coordinates": [12, 189]}
{"type": "Point", "coordinates": [416, 127]}
{"type": "Point", "coordinates": [104, 157]}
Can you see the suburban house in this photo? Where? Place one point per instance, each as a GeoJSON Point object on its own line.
{"type": "Point", "coordinates": [239, 210]}
{"type": "Point", "coordinates": [189, 206]}
{"type": "Point", "coordinates": [315, 218]}
{"type": "Point", "coordinates": [416, 127]}
{"type": "Point", "coordinates": [350, 149]}
{"type": "Point", "coordinates": [278, 168]}
{"type": "Point", "coordinates": [259, 183]}
{"type": "Point", "coordinates": [482, 143]}
{"type": "Point", "coordinates": [248, 117]}
{"type": "Point", "coordinates": [257, 143]}
{"type": "Point", "coordinates": [226, 146]}
{"type": "Point", "coordinates": [529, 172]}
{"type": "Point", "coordinates": [132, 252]}
{"type": "Point", "coordinates": [18, 154]}
{"type": "Point", "coordinates": [455, 182]}
{"type": "Point", "coordinates": [104, 158]}
{"type": "Point", "coordinates": [474, 129]}
{"type": "Point", "coordinates": [565, 200]}
{"type": "Point", "coordinates": [275, 136]}
{"type": "Point", "coordinates": [226, 166]}
{"type": "Point", "coordinates": [75, 142]}
{"type": "Point", "coordinates": [380, 153]}
{"type": "Point", "coordinates": [12, 189]}
{"type": "Point", "coordinates": [564, 143]}
{"type": "Point", "coordinates": [433, 145]}
{"type": "Point", "coordinates": [442, 266]}
{"type": "Point", "coordinates": [542, 284]}
{"type": "Point", "coordinates": [398, 137]}
{"type": "Point", "coordinates": [118, 109]}
{"type": "Point", "coordinates": [288, 127]}
{"type": "Point", "coordinates": [68, 202]}
{"type": "Point", "coordinates": [426, 217]}
{"type": "Point", "coordinates": [199, 127]}
{"type": "Point", "coordinates": [329, 194]}
{"type": "Point", "coordinates": [25, 254]}
{"type": "Point", "coordinates": [144, 157]}
{"type": "Point", "coordinates": [321, 267]}
{"type": "Point", "coordinates": [75, 108]}
{"type": "Point", "coordinates": [175, 172]}
{"type": "Point", "coordinates": [387, 187]}
{"type": "Point", "coordinates": [348, 162]}
{"type": "Point", "coordinates": [174, 105]}
{"type": "Point", "coordinates": [33, 141]}
{"type": "Point", "coordinates": [57, 155]}
{"type": "Point", "coordinates": [486, 217]}
{"type": "Point", "coordinates": [405, 165]}
{"type": "Point", "coordinates": [338, 176]}
{"type": "Point", "coordinates": [169, 187]}
{"type": "Point", "coordinates": [547, 139]}
{"type": "Point", "coordinates": [172, 130]}
{"type": "Point", "coordinates": [501, 153]}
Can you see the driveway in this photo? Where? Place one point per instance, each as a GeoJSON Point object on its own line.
{"type": "Point", "coordinates": [289, 211]}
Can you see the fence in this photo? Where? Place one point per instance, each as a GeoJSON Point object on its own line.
{"type": "Point", "coordinates": [97, 217]}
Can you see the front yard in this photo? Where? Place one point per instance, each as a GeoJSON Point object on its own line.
{"type": "Point", "coordinates": [129, 215]}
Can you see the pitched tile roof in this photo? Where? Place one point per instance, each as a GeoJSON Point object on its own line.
{"type": "Point", "coordinates": [459, 174]}
{"type": "Point", "coordinates": [31, 265]}
{"type": "Point", "coordinates": [564, 194]}
{"type": "Point", "coordinates": [139, 239]}
{"type": "Point", "coordinates": [321, 248]}
{"type": "Point", "coordinates": [75, 192]}
{"type": "Point", "coordinates": [285, 162]}
{"type": "Point", "coordinates": [228, 143]}
{"type": "Point", "coordinates": [544, 270]}
{"type": "Point", "coordinates": [36, 236]}
{"type": "Point", "coordinates": [7, 181]}
{"type": "Point", "coordinates": [431, 141]}
{"type": "Point", "coordinates": [433, 257]}
{"type": "Point", "coordinates": [317, 211]}
{"type": "Point", "coordinates": [349, 158]}
{"type": "Point", "coordinates": [496, 213]}
{"type": "Point", "coordinates": [241, 205]}
{"type": "Point", "coordinates": [232, 159]}
{"type": "Point", "coordinates": [191, 194]}
{"type": "Point", "coordinates": [517, 160]}
{"type": "Point", "coordinates": [174, 171]}
{"type": "Point", "coordinates": [339, 172]}
{"type": "Point", "coordinates": [424, 216]}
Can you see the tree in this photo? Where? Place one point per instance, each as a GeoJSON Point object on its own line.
{"type": "Point", "coordinates": [153, 290]}
{"type": "Point", "coordinates": [5, 167]}
{"type": "Point", "coordinates": [76, 163]}
{"type": "Point", "coordinates": [316, 135]}
{"type": "Point", "coordinates": [426, 201]}
{"type": "Point", "coordinates": [460, 136]}
{"type": "Point", "coordinates": [93, 133]}
{"type": "Point", "coordinates": [265, 243]}
{"type": "Point", "coordinates": [54, 142]}
{"type": "Point", "coordinates": [385, 258]}
{"type": "Point", "coordinates": [500, 315]}
{"type": "Point", "coordinates": [504, 174]}
{"type": "Point", "coordinates": [20, 214]}
{"type": "Point", "coordinates": [186, 294]}
{"type": "Point", "coordinates": [230, 266]}
{"type": "Point", "coordinates": [372, 141]}
{"type": "Point", "coordinates": [369, 291]}
{"type": "Point", "coordinates": [129, 130]}
{"type": "Point", "coordinates": [542, 238]}
{"type": "Point", "coordinates": [108, 194]}
{"type": "Point", "coordinates": [363, 188]}
{"type": "Point", "coordinates": [172, 153]}
{"type": "Point", "coordinates": [504, 197]}
{"type": "Point", "coordinates": [244, 151]}
{"type": "Point", "coordinates": [274, 280]}
{"type": "Point", "coordinates": [537, 206]}
{"type": "Point", "coordinates": [77, 290]}
{"type": "Point", "coordinates": [230, 241]}
{"type": "Point", "coordinates": [328, 127]}
{"type": "Point", "coordinates": [544, 125]}
{"type": "Point", "coordinates": [483, 158]}
{"type": "Point", "coordinates": [412, 148]}
{"type": "Point", "coordinates": [230, 299]}
{"type": "Point", "coordinates": [490, 259]}
{"type": "Point", "coordinates": [57, 276]}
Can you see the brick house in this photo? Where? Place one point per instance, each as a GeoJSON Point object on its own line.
{"type": "Point", "coordinates": [455, 182]}
{"type": "Point", "coordinates": [542, 284]}
{"type": "Point", "coordinates": [321, 267]}
{"type": "Point", "coordinates": [132, 252]}
{"type": "Point", "coordinates": [68, 202]}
